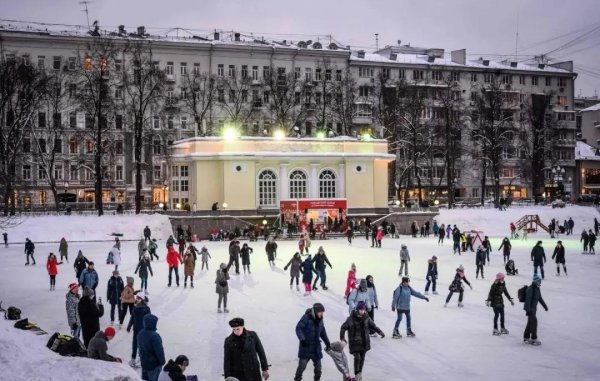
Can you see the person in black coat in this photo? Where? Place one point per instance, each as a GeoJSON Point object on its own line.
{"type": "Point", "coordinates": [321, 261]}
{"type": "Point", "coordinates": [29, 250]}
{"type": "Point", "coordinates": [174, 369]}
{"type": "Point", "coordinates": [496, 301]}
{"type": "Point", "coordinates": [358, 325]}
{"type": "Point", "coordinates": [592, 242]}
{"type": "Point", "coordinates": [559, 256]}
{"type": "Point", "coordinates": [533, 296]}
{"type": "Point", "coordinates": [244, 354]}
{"type": "Point", "coordinates": [506, 247]}
{"type": "Point", "coordinates": [80, 264]}
{"type": "Point", "coordinates": [136, 321]}
{"type": "Point", "coordinates": [538, 257]}
{"type": "Point", "coordinates": [113, 294]}
{"type": "Point", "coordinates": [89, 315]}
{"type": "Point", "coordinates": [310, 330]}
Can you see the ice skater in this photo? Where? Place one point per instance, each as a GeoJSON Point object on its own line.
{"type": "Point", "coordinates": [245, 254]}
{"type": "Point", "coordinates": [401, 304]}
{"type": "Point", "coordinates": [294, 265]}
{"type": "Point", "coordinates": [496, 301]}
{"type": "Point", "coordinates": [29, 251]}
{"type": "Point", "coordinates": [538, 257]}
{"type": "Point", "coordinates": [204, 255]}
{"type": "Point", "coordinates": [222, 287]}
{"type": "Point", "coordinates": [506, 247]}
{"type": "Point", "coordinates": [404, 259]}
{"type": "Point", "coordinates": [52, 267]}
{"type": "Point", "coordinates": [307, 269]}
{"type": "Point", "coordinates": [559, 256]}
{"type": "Point", "coordinates": [432, 275]}
{"type": "Point", "coordinates": [456, 286]}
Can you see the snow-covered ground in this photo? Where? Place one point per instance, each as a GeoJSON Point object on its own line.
{"type": "Point", "coordinates": [451, 343]}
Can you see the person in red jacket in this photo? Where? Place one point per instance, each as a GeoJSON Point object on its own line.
{"type": "Point", "coordinates": [351, 281]}
{"type": "Point", "coordinates": [51, 266]}
{"type": "Point", "coordinates": [173, 259]}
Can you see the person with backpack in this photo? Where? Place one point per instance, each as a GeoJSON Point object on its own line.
{"type": "Point", "coordinates": [456, 286]}
{"type": "Point", "coordinates": [244, 356]}
{"type": "Point", "coordinates": [404, 259]}
{"type": "Point", "coordinates": [52, 267]}
{"type": "Point", "coordinates": [136, 321]}
{"type": "Point", "coordinates": [350, 280]}
{"type": "Point", "coordinates": [80, 264]}
{"type": "Point", "coordinates": [29, 251]}
{"type": "Point", "coordinates": [189, 265]}
{"type": "Point", "coordinates": [321, 262]}
{"type": "Point", "coordinates": [127, 300]}
{"type": "Point", "coordinates": [538, 257]}
{"type": "Point", "coordinates": [98, 348]}
{"type": "Point", "coordinates": [143, 268]}
{"type": "Point", "coordinates": [71, 305]}
{"type": "Point", "coordinates": [506, 247]}
{"type": "Point", "coordinates": [496, 301]}
{"type": "Point", "coordinates": [401, 304]}
{"type": "Point", "coordinates": [152, 353]}
{"type": "Point", "coordinates": [173, 260]}
{"type": "Point", "coordinates": [360, 294]}
{"type": "Point", "coordinates": [114, 289]}
{"type": "Point", "coordinates": [90, 313]}
{"type": "Point", "coordinates": [559, 255]}
{"type": "Point", "coordinates": [432, 275]}
{"type": "Point", "coordinates": [294, 265]}
{"type": "Point", "coordinates": [152, 247]}
{"type": "Point", "coordinates": [63, 249]}
{"type": "Point", "coordinates": [479, 261]}
{"type": "Point", "coordinates": [271, 249]}
{"type": "Point", "coordinates": [359, 343]}
{"type": "Point", "coordinates": [222, 287]}
{"type": "Point", "coordinates": [173, 370]}
{"type": "Point", "coordinates": [310, 330]}
{"type": "Point", "coordinates": [89, 278]}
{"type": "Point", "coordinates": [533, 296]}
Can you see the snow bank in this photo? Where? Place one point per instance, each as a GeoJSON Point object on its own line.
{"type": "Point", "coordinates": [88, 228]}
{"type": "Point", "coordinates": [24, 356]}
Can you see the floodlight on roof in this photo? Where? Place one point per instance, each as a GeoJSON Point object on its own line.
{"type": "Point", "coordinates": [230, 133]}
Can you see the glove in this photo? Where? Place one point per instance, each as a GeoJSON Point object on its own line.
{"type": "Point", "coordinates": [382, 335]}
{"type": "Point", "coordinates": [265, 375]}
{"type": "Point", "coordinates": [427, 300]}
{"type": "Point", "coordinates": [471, 287]}
{"type": "Point", "coordinates": [546, 308]}
{"type": "Point", "coordinates": [393, 309]}
{"type": "Point", "coordinates": [128, 330]}
{"type": "Point", "coordinates": [512, 303]}
{"type": "Point", "coordinates": [376, 307]}
{"type": "Point", "coordinates": [487, 303]}
{"type": "Point", "coordinates": [327, 348]}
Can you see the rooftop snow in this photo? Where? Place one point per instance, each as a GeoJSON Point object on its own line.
{"type": "Point", "coordinates": [584, 151]}
{"type": "Point", "coordinates": [595, 107]}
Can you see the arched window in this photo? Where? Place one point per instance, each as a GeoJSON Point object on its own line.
{"type": "Point", "coordinates": [267, 188]}
{"type": "Point", "coordinates": [298, 184]}
{"type": "Point", "coordinates": [327, 184]}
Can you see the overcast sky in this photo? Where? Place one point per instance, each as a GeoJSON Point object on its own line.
{"type": "Point", "coordinates": [480, 26]}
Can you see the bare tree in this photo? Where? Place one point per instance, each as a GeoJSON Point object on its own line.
{"type": "Point", "coordinates": [22, 88]}
{"type": "Point", "coordinates": [343, 101]}
{"type": "Point", "coordinates": [285, 104]}
{"type": "Point", "coordinates": [492, 130]}
{"type": "Point", "coordinates": [198, 98]}
{"type": "Point", "coordinates": [96, 98]}
{"type": "Point", "coordinates": [236, 102]}
{"type": "Point", "coordinates": [144, 85]}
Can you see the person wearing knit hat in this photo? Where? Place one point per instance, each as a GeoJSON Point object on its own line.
{"type": "Point", "coordinates": [173, 370]}
{"type": "Point", "coordinates": [98, 347]}
{"type": "Point", "coordinates": [538, 257]}
{"type": "Point", "coordinates": [431, 275]}
{"type": "Point", "coordinates": [71, 303]}
{"type": "Point", "coordinates": [244, 355]}
{"type": "Point", "coordinates": [456, 286]}
{"type": "Point", "coordinates": [143, 268]}
{"type": "Point", "coordinates": [310, 330]}
{"type": "Point", "coordinates": [127, 300]}
{"type": "Point", "coordinates": [496, 301]}
{"type": "Point", "coordinates": [360, 294]}
{"type": "Point", "coordinates": [357, 324]}
{"type": "Point", "coordinates": [533, 296]}
{"type": "Point", "coordinates": [351, 280]}
{"type": "Point", "coordinates": [114, 289]}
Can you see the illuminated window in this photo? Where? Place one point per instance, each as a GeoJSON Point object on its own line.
{"type": "Point", "coordinates": [87, 63]}
{"type": "Point", "coordinates": [267, 188]}
{"type": "Point", "coordinates": [298, 184]}
{"type": "Point", "coordinates": [327, 184]}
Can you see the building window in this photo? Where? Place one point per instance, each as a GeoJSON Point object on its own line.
{"type": "Point", "coordinates": [26, 145]}
{"type": "Point", "coordinates": [455, 76]}
{"type": "Point", "coordinates": [548, 81]}
{"type": "Point", "coordinates": [183, 171]}
{"type": "Point", "coordinates": [118, 65]}
{"type": "Point", "coordinates": [521, 80]}
{"type": "Point", "coordinates": [506, 79]}
{"type": "Point", "coordinates": [436, 75]}
{"type": "Point", "coordinates": [156, 122]}
{"type": "Point", "coordinates": [41, 119]}
{"type": "Point", "coordinates": [169, 68]}
{"type": "Point", "coordinates": [42, 145]}
{"type": "Point", "coordinates": [57, 146]}
{"type": "Point", "coordinates": [244, 71]}
{"type": "Point", "coordinates": [534, 80]}
{"type": "Point", "coordinates": [58, 172]}
{"type": "Point", "coordinates": [298, 184]}
{"type": "Point", "coordinates": [266, 71]}
{"type": "Point", "coordinates": [197, 68]}
{"type": "Point", "coordinates": [73, 119]}
{"type": "Point", "coordinates": [119, 122]}
{"type": "Point", "coordinates": [170, 123]}
{"type": "Point", "coordinates": [183, 68]}
{"type": "Point", "coordinates": [118, 93]}
{"type": "Point", "coordinates": [328, 74]}
{"type": "Point", "coordinates": [156, 147]}
{"type": "Point", "coordinates": [89, 175]}
{"type": "Point", "coordinates": [73, 147]}
{"type": "Point", "coordinates": [220, 70]}
{"type": "Point", "coordinates": [327, 184]}
{"type": "Point", "coordinates": [221, 95]}
{"type": "Point", "coordinates": [308, 74]}
{"type": "Point", "coordinates": [156, 173]}
{"type": "Point", "coordinates": [74, 173]}
{"type": "Point", "coordinates": [41, 62]}
{"type": "Point", "coordinates": [401, 74]}
{"type": "Point", "coordinates": [184, 123]}
{"type": "Point", "coordinates": [255, 73]}
{"type": "Point", "coordinates": [487, 78]}
{"type": "Point", "coordinates": [363, 91]}
{"type": "Point", "coordinates": [418, 75]}
{"type": "Point", "coordinates": [89, 146]}
{"type": "Point", "coordinates": [231, 72]}
{"type": "Point", "coordinates": [562, 100]}
{"type": "Point", "coordinates": [297, 73]}
{"type": "Point", "coordinates": [365, 72]}
{"type": "Point", "coordinates": [184, 185]}
{"type": "Point", "coordinates": [72, 90]}
{"type": "Point", "coordinates": [338, 75]}
{"type": "Point", "coordinates": [56, 61]}
{"type": "Point", "coordinates": [43, 197]}
{"type": "Point", "coordinates": [473, 77]}
{"type": "Point", "coordinates": [318, 74]}
{"type": "Point", "coordinates": [175, 185]}
{"type": "Point", "coordinates": [26, 172]}
{"type": "Point", "coordinates": [562, 82]}
{"type": "Point", "coordinates": [42, 175]}
{"type": "Point", "coordinates": [267, 188]}
{"type": "Point", "coordinates": [118, 147]}
{"type": "Point", "coordinates": [119, 173]}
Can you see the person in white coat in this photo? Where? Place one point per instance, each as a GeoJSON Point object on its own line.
{"type": "Point", "coordinates": [116, 256]}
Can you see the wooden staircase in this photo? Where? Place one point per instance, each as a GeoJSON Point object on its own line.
{"type": "Point", "coordinates": [531, 222]}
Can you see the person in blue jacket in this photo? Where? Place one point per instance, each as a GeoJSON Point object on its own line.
{"type": "Point", "coordinates": [310, 330]}
{"type": "Point", "coordinates": [89, 277]}
{"type": "Point", "coordinates": [401, 304]}
{"type": "Point", "coordinates": [152, 353]}
{"type": "Point", "coordinates": [136, 322]}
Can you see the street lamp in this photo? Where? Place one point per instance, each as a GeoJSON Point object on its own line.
{"type": "Point", "coordinates": [165, 189]}
{"type": "Point", "coordinates": [557, 178]}
{"type": "Point", "coordinates": [225, 205]}
{"type": "Point", "coordinates": [65, 196]}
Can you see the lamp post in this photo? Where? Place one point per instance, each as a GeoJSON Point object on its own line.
{"type": "Point", "coordinates": [557, 178]}
{"type": "Point", "coordinates": [165, 189]}
{"type": "Point", "coordinates": [65, 195]}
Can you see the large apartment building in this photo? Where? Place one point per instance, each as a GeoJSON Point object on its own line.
{"type": "Point", "coordinates": [249, 74]}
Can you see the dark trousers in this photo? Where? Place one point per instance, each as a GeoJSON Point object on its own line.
{"type": "Point", "coordinates": [203, 264]}
{"type": "Point", "coordinates": [371, 313]}
{"type": "Point", "coordinates": [460, 296]}
{"type": "Point", "coordinates": [430, 281]}
{"type": "Point", "coordinates": [191, 279]}
{"type": "Point", "coordinates": [124, 308]}
{"type": "Point", "coordinates": [302, 363]}
{"type": "Point", "coordinates": [498, 311]}
{"type": "Point", "coordinates": [176, 269]}
{"type": "Point", "coordinates": [65, 256]}
{"type": "Point", "coordinates": [153, 254]}
{"type": "Point", "coordinates": [320, 275]}
{"type": "Point", "coordinates": [52, 280]}
{"type": "Point", "coordinates": [535, 269]}
{"type": "Point", "coordinates": [506, 258]}
{"type": "Point", "coordinates": [235, 262]}
{"type": "Point", "coordinates": [32, 258]}
{"type": "Point", "coordinates": [487, 256]}
{"type": "Point", "coordinates": [134, 346]}
{"type": "Point", "coordinates": [143, 283]}
{"type": "Point", "coordinates": [359, 361]}
{"type": "Point", "coordinates": [292, 280]}
{"type": "Point", "coordinates": [441, 240]}
{"type": "Point", "coordinates": [531, 328]}
{"type": "Point", "coordinates": [479, 268]}
{"type": "Point", "coordinates": [112, 310]}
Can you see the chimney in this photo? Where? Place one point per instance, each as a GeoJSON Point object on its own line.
{"type": "Point", "coordinates": [361, 54]}
{"type": "Point", "coordinates": [216, 36]}
{"type": "Point", "coordinates": [237, 37]}
{"type": "Point", "coordinates": [430, 59]}
{"type": "Point", "coordinates": [122, 29]}
{"type": "Point", "coordinates": [513, 64]}
{"type": "Point", "coordinates": [486, 62]}
{"type": "Point", "coordinates": [459, 56]}
{"type": "Point", "coordinates": [141, 30]}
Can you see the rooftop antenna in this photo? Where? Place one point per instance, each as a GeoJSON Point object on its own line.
{"type": "Point", "coordinates": [376, 41]}
{"type": "Point", "coordinates": [517, 36]}
{"type": "Point", "coordinates": [87, 15]}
